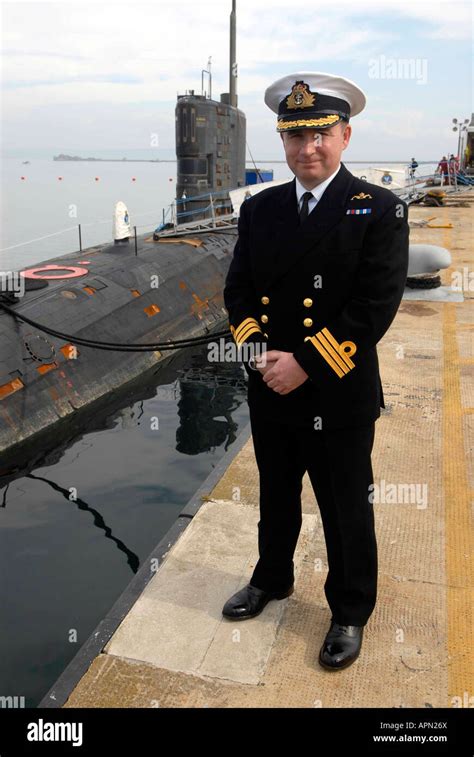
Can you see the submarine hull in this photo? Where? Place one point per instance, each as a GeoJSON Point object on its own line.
{"type": "Point", "coordinates": [171, 289]}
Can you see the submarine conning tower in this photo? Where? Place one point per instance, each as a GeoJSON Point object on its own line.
{"type": "Point", "coordinates": [210, 145]}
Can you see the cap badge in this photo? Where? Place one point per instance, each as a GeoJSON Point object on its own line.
{"type": "Point", "coordinates": [300, 96]}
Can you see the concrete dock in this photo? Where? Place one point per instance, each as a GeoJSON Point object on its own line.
{"type": "Point", "coordinates": [166, 643]}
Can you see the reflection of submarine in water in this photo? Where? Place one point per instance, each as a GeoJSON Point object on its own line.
{"type": "Point", "coordinates": [205, 407]}
{"type": "Point", "coordinates": [203, 393]}
{"type": "Point", "coordinates": [157, 291]}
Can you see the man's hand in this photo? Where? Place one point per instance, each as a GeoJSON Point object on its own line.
{"type": "Point", "coordinates": [281, 372]}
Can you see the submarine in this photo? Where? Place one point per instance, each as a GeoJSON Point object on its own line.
{"type": "Point", "coordinates": [156, 292]}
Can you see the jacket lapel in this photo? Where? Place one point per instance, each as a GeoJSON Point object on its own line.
{"type": "Point", "coordinates": [296, 239]}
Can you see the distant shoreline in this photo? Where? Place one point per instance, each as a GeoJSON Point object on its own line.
{"type": "Point", "coordinates": [72, 158]}
{"type": "Point", "coordinates": [68, 158]}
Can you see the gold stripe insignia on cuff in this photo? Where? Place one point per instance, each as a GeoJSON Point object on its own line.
{"type": "Point", "coordinates": [338, 356]}
{"type": "Point", "coordinates": [245, 329]}
{"type": "Point", "coordinates": [251, 330]}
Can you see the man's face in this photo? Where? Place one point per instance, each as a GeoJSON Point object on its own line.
{"type": "Point", "coordinates": [314, 154]}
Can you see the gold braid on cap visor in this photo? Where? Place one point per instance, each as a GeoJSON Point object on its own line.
{"type": "Point", "coordinates": [323, 121]}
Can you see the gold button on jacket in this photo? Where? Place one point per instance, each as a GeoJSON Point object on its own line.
{"type": "Point", "coordinates": [264, 300]}
{"type": "Point", "coordinates": [308, 322]}
{"type": "Point", "coordinates": [307, 302]}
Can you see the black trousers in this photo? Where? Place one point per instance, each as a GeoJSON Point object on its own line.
{"type": "Point", "coordinates": [339, 467]}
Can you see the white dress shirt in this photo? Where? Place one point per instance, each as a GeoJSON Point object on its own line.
{"type": "Point", "coordinates": [317, 191]}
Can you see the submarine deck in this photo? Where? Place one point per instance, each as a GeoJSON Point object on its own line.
{"type": "Point", "coordinates": [165, 642]}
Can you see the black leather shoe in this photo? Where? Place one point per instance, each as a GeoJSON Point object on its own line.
{"type": "Point", "coordinates": [250, 601]}
{"type": "Point", "coordinates": [341, 646]}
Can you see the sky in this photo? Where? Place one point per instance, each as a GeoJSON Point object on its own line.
{"type": "Point", "coordinates": [95, 76]}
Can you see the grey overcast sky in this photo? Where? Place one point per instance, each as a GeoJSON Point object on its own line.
{"type": "Point", "coordinates": [94, 76]}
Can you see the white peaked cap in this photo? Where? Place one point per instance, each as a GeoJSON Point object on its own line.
{"type": "Point", "coordinates": [313, 99]}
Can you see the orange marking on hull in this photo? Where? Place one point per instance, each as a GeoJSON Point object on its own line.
{"type": "Point", "coordinates": [199, 305]}
{"type": "Point", "coordinates": [46, 368]}
{"type": "Point", "coordinates": [10, 388]}
{"type": "Point", "coordinates": [152, 310]}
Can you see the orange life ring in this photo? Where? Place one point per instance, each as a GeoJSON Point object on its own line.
{"type": "Point", "coordinates": [32, 273]}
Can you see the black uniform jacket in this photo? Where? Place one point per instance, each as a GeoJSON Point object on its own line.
{"type": "Point", "coordinates": [326, 290]}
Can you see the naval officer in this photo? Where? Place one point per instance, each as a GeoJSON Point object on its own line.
{"type": "Point", "coordinates": [316, 278]}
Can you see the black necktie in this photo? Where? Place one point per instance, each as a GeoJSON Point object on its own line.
{"type": "Point", "coordinates": [304, 207]}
